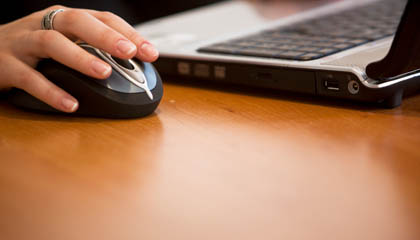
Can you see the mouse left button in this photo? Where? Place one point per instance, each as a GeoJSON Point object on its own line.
{"type": "Point", "coordinates": [123, 63]}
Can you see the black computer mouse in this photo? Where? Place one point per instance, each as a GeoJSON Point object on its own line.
{"type": "Point", "coordinates": [133, 90]}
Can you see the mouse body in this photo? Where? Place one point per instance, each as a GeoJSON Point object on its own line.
{"type": "Point", "coordinates": [134, 89]}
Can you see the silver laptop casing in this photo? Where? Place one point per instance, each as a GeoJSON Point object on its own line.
{"type": "Point", "coordinates": [179, 36]}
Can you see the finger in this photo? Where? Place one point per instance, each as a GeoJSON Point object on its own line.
{"type": "Point", "coordinates": [146, 51]}
{"type": "Point", "coordinates": [52, 44]}
{"type": "Point", "coordinates": [24, 77]}
{"type": "Point", "coordinates": [79, 24]}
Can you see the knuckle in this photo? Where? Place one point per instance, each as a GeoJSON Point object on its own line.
{"type": "Point", "coordinates": [7, 77]}
{"type": "Point", "coordinates": [108, 16]}
{"type": "Point", "coordinates": [71, 16]}
{"type": "Point", "coordinates": [3, 58]}
{"type": "Point", "coordinates": [50, 94]}
{"type": "Point", "coordinates": [48, 36]}
{"type": "Point", "coordinates": [45, 38]}
{"type": "Point", "coordinates": [107, 35]}
{"type": "Point", "coordinates": [24, 79]}
{"type": "Point", "coordinates": [57, 6]}
{"type": "Point", "coordinates": [135, 37]}
{"type": "Point", "coordinates": [82, 58]}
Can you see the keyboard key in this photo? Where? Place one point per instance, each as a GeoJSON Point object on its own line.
{"type": "Point", "coordinates": [257, 52]}
{"type": "Point", "coordinates": [286, 47]}
{"type": "Point", "coordinates": [308, 49]}
{"type": "Point", "coordinates": [243, 43]}
{"type": "Point", "coordinates": [316, 38]}
{"type": "Point", "coordinates": [358, 41]}
{"type": "Point", "coordinates": [310, 56]}
{"type": "Point", "coordinates": [327, 50]}
{"type": "Point", "coordinates": [220, 48]}
{"type": "Point", "coordinates": [343, 45]}
{"type": "Point", "coordinates": [289, 55]}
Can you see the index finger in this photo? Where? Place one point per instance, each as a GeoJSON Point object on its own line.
{"type": "Point", "coordinates": [79, 24]}
{"type": "Point", "coordinates": [146, 51]}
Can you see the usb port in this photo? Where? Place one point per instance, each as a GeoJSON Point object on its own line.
{"type": "Point", "coordinates": [332, 85]}
{"type": "Point", "coordinates": [202, 70]}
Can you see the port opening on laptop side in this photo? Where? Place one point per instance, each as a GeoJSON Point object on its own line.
{"type": "Point", "coordinates": [300, 43]}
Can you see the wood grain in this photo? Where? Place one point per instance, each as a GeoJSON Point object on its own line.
{"type": "Point", "coordinates": [214, 163]}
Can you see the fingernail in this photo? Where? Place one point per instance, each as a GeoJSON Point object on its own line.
{"type": "Point", "coordinates": [149, 50]}
{"type": "Point", "coordinates": [101, 68]}
{"type": "Point", "coordinates": [69, 104]}
{"type": "Point", "coordinates": [126, 47]}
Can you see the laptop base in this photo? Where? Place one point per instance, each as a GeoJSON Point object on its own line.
{"type": "Point", "coordinates": [331, 84]}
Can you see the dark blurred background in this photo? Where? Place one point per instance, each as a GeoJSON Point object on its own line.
{"type": "Point", "coordinates": [132, 11]}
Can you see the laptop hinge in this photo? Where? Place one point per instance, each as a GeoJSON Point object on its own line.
{"type": "Point", "coordinates": [403, 57]}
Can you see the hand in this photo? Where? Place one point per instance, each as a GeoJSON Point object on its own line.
{"type": "Point", "coordinates": [23, 44]}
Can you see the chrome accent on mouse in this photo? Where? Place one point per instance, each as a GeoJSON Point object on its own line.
{"type": "Point", "coordinates": [135, 74]}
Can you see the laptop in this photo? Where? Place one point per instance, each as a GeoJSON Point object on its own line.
{"type": "Point", "coordinates": [322, 51]}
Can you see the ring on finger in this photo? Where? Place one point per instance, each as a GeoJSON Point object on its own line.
{"type": "Point", "coordinates": [48, 19]}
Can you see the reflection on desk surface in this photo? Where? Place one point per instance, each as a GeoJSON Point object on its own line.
{"type": "Point", "coordinates": [213, 164]}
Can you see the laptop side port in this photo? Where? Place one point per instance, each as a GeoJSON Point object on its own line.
{"type": "Point", "coordinates": [353, 87]}
{"type": "Point", "coordinates": [332, 84]}
{"type": "Point", "coordinates": [338, 84]}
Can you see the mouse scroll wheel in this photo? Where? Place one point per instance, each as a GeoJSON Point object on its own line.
{"type": "Point", "coordinates": [124, 63]}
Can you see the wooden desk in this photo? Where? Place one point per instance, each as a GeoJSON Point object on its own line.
{"type": "Point", "coordinates": [214, 164]}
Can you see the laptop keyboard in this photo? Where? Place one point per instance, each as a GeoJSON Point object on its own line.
{"type": "Point", "coordinates": [320, 37]}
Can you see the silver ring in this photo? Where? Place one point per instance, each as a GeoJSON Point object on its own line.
{"type": "Point", "coordinates": [47, 20]}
